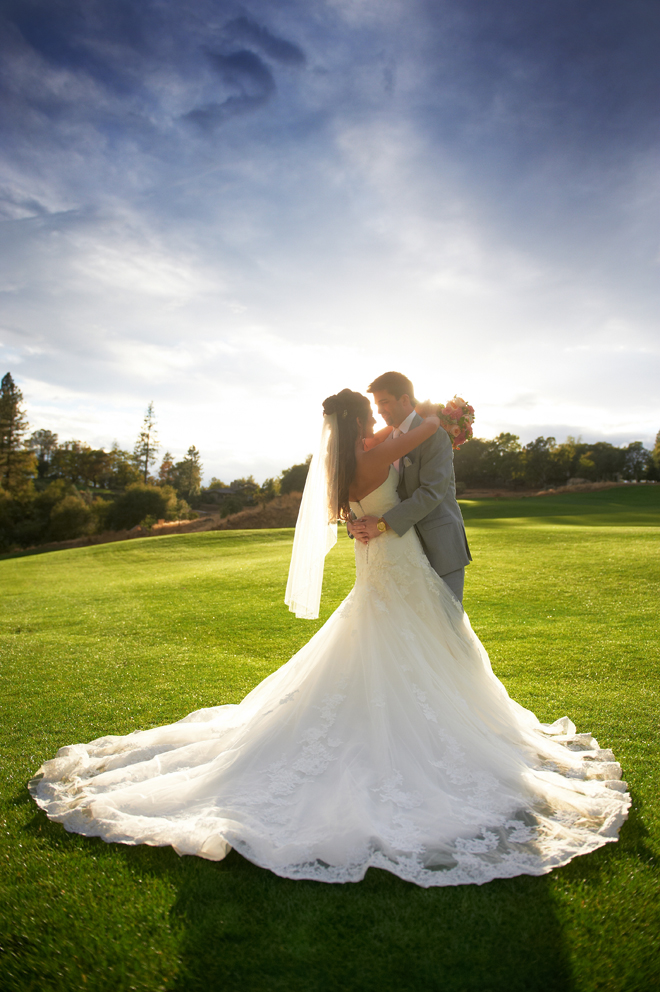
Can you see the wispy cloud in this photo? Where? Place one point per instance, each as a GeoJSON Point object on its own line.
{"type": "Point", "coordinates": [244, 29]}
{"type": "Point", "coordinates": [237, 208]}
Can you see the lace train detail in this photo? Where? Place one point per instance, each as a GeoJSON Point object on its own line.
{"type": "Point", "coordinates": [385, 742]}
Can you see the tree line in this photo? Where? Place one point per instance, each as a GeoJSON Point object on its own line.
{"type": "Point", "coordinates": [503, 462]}
{"type": "Point", "coordinates": [114, 470]}
{"type": "Point", "coordinates": [55, 491]}
{"type": "Point", "coordinates": [52, 490]}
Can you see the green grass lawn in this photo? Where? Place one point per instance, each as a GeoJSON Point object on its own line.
{"type": "Point", "coordinates": [564, 593]}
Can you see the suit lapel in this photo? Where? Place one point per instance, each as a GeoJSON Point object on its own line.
{"type": "Point", "coordinates": [402, 479]}
{"type": "Point", "coordinates": [415, 422]}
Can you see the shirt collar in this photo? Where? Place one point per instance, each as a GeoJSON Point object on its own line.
{"type": "Point", "coordinates": [405, 426]}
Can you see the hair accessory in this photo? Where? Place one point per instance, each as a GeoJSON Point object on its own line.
{"type": "Point", "coordinates": [345, 413]}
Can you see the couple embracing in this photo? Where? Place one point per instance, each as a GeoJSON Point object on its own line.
{"type": "Point", "coordinates": [426, 486]}
{"type": "Point", "coordinates": [386, 741]}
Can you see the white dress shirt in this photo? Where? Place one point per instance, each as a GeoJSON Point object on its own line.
{"type": "Point", "coordinates": [403, 428]}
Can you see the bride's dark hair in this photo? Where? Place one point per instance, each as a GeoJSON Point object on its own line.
{"type": "Point", "coordinates": [348, 406]}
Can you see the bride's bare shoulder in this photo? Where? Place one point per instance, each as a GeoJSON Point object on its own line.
{"type": "Point", "coordinates": [364, 486]}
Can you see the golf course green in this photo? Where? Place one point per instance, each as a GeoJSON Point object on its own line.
{"type": "Point", "coordinates": [564, 593]}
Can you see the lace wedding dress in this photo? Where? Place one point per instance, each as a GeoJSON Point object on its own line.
{"type": "Point", "coordinates": [386, 741]}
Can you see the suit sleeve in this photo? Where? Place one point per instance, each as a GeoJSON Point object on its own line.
{"type": "Point", "coordinates": [435, 470]}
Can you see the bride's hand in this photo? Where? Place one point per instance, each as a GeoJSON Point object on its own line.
{"type": "Point", "coordinates": [426, 409]}
{"type": "Point", "coordinates": [433, 420]}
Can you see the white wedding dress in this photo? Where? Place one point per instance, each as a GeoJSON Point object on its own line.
{"type": "Point", "coordinates": [386, 741]}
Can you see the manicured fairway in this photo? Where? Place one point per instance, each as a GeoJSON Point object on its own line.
{"type": "Point", "coordinates": [564, 592]}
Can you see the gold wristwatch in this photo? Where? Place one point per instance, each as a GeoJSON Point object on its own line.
{"type": "Point", "coordinates": [381, 525]}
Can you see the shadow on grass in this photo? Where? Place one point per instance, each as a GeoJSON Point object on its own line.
{"type": "Point", "coordinates": [637, 506]}
{"type": "Point", "coordinates": [247, 930]}
{"type": "Point", "coordinates": [242, 929]}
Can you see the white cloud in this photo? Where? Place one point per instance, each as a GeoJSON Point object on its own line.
{"type": "Point", "coordinates": [395, 204]}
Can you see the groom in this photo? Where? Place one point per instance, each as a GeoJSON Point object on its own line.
{"type": "Point", "coordinates": [426, 487]}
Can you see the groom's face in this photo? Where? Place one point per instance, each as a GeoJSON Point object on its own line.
{"type": "Point", "coordinates": [393, 411]}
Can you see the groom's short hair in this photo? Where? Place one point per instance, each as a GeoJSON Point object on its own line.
{"type": "Point", "coordinates": [394, 383]}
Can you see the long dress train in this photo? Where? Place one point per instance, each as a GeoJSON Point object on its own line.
{"type": "Point", "coordinates": [386, 741]}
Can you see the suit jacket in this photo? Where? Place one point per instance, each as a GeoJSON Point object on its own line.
{"type": "Point", "coordinates": [427, 489]}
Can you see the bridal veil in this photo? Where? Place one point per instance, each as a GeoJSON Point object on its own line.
{"type": "Point", "coordinates": [316, 528]}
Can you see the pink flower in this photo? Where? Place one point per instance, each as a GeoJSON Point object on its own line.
{"type": "Point", "coordinates": [456, 417]}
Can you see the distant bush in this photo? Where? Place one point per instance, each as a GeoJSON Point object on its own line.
{"type": "Point", "coordinates": [70, 517]}
{"type": "Point", "coordinates": [57, 513]}
{"type": "Point", "coordinates": [60, 512]}
{"type": "Point", "coordinates": [9, 519]}
{"type": "Point", "coordinates": [293, 479]}
{"type": "Point", "coordinates": [230, 505]}
{"type": "Point", "coordinates": [139, 502]}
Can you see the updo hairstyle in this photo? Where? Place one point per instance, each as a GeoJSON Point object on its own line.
{"type": "Point", "coordinates": [348, 406]}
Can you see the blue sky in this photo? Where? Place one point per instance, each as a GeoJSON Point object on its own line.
{"type": "Point", "coordinates": [235, 209]}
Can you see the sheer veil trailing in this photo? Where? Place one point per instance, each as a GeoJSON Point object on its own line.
{"type": "Point", "coordinates": [316, 528]}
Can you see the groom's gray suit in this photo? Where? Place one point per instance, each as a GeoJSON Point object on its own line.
{"type": "Point", "coordinates": [427, 489]}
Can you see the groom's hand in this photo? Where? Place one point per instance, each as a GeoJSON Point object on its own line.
{"type": "Point", "coordinates": [353, 528]}
{"type": "Point", "coordinates": [365, 529]}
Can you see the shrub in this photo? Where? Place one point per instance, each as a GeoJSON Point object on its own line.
{"type": "Point", "coordinates": [69, 518]}
{"type": "Point", "coordinates": [140, 501]}
{"type": "Point", "coordinates": [293, 479]}
{"type": "Point", "coordinates": [230, 505]}
{"type": "Point", "coordinates": [181, 511]}
{"type": "Point", "coordinates": [101, 510]}
{"type": "Point", "coordinates": [57, 513]}
{"type": "Point", "coordinates": [9, 516]}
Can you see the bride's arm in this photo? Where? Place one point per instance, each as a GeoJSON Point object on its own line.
{"type": "Point", "coordinates": [395, 447]}
{"type": "Point", "coordinates": [378, 438]}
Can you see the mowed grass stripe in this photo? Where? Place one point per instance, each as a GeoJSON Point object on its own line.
{"type": "Point", "coordinates": [124, 636]}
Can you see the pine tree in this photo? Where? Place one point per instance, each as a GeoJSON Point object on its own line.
{"type": "Point", "coordinates": [15, 460]}
{"type": "Point", "coordinates": [189, 474]}
{"type": "Point", "coordinates": [147, 444]}
{"type": "Point", "coordinates": [44, 444]}
{"type": "Point", "coordinates": [166, 472]}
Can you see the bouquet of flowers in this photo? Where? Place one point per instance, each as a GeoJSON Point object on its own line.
{"type": "Point", "coordinates": [456, 417]}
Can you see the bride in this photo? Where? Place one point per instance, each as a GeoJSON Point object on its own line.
{"type": "Point", "coordinates": [385, 742]}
